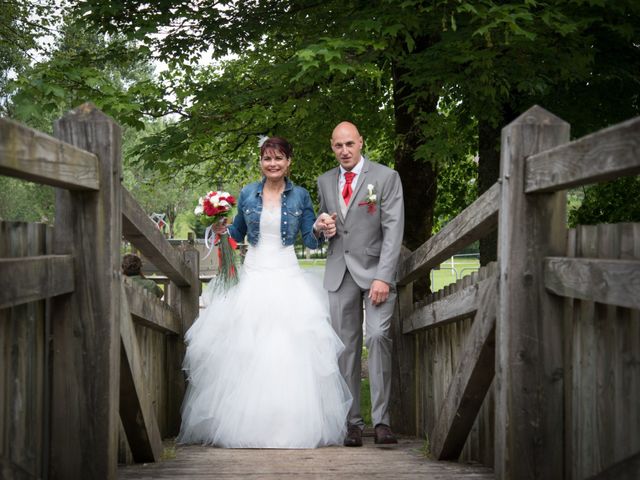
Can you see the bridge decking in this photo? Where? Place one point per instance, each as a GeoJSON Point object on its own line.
{"type": "Point", "coordinates": [405, 460]}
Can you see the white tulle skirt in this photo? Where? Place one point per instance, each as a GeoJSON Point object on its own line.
{"type": "Point", "coordinates": [261, 362]}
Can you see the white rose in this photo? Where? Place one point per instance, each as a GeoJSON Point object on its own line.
{"type": "Point", "coordinates": [372, 198]}
{"type": "Point", "coordinates": [224, 203]}
{"type": "Point", "coordinates": [199, 210]}
{"type": "Point", "coordinates": [370, 188]}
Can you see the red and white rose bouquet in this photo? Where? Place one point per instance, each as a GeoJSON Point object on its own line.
{"type": "Point", "coordinates": [215, 208]}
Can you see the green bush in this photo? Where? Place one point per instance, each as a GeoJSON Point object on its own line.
{"type": "Point", "coordinates": [608, 202]}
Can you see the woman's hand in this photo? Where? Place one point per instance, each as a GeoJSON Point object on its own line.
{"type": "Point", "coordinates": [220, 228]}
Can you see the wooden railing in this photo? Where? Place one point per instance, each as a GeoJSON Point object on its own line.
{"type": "Point", "coordinates": [555, 321]}
{"type": "Point", "coordinates": [85, 353]}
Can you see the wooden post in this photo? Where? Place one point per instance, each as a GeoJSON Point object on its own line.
{"type": "Point", "coordinates": [186, 302]}
{"type": "Point", "coordinates": [85, 324]}
{"type": "Point", "coordinates": [529, 361]}
{"type": "Point", "coordinates": [403, 388]}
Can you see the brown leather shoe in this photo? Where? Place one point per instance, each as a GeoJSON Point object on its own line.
{"type": "Point", "coordinates": [384, 435]}
{"type": "Point", "coordinates": [354, 437]}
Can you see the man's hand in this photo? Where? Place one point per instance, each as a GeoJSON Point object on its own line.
{"type": "Point", "coordinates": [326, 224]}
{"type": "Point", "coordinates": [378, 292]}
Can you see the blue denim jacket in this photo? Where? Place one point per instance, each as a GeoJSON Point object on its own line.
{"type": "Point", "coordinates": [296, 216]}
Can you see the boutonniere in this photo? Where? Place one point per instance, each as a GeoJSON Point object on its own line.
{"type": "Point", "coordinates": [371, 200]}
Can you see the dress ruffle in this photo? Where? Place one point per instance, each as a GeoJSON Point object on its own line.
{"type": "Point", "coordinates": [261, 361]}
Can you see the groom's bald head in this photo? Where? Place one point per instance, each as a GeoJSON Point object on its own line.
{"type": "Point", "coordinates": [346, 144]}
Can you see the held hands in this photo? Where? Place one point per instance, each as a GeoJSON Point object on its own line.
{"type": "Point", "coordinates": [326, 224]}
{"type": "Point", "coordinates": [378, 292]}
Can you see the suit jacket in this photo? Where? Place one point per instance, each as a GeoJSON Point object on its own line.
{"type": "Point", "coordinates": [367, 240]}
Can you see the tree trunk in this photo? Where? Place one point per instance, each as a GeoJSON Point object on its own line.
{"type": "Point", "coordinates": [418, 177]}
{"type": "Point", "coordinates": [489, 171]}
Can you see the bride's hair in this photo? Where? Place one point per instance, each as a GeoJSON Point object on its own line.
{"type": "Point", "coordinates": [279, 144]}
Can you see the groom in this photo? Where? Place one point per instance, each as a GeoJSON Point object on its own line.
{"type": "Point", "coordinates": [362, 212]}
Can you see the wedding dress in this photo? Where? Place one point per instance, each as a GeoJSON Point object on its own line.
{"type": "Point", "coordinates": [261, 359]}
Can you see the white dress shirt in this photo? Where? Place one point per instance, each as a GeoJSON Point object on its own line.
{"type": "Point", "coordinates": [357, 169]}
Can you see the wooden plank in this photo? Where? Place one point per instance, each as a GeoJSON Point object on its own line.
{"type": "Point", "coordinates": [31, 155]}
{"type": "Point", "coordinates": [149, 311]}
{"type": "Point", "coordinates": [570, 368]}
{"type": "Point", "coordinates": [86, 323]}
{"type": "Point", "coordinates": [450, 308]}
{"type": "Point", "coordinates": [529, 338]}
{"type": "Point", "coordinates": [471, 381]}
{"type": "Point", "coordinates": [473, 223]}
{"type": "Point", "coordinates": [28, 279]}
{"type": "Point", "coordinates": [403, 382]}
{"type": "Point", "coordinates": [614, 282]}
{"type": "Point", "coordinates": [403, 461]}
{"type": "Point", "coordinates": [627, 469]}
{"type": "Point", "coordinates": [145, 236]}
{"type": "Point", "coordinates": [185, 300]}
{"type": "Point", "coordinates": [23, 366]}
{"type": "Point", "coordinates": [604, 155]}
{"type": "Point", "coordinates": [136, 408]}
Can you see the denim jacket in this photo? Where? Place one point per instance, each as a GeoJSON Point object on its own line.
{"type": "Point", "coordinates": [296, 216]}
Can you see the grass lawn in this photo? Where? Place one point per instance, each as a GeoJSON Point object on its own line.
{"type": "Point", "coordinates": [451, 270]}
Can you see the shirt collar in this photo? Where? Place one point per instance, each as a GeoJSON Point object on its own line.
{"type": "Point", "coordinates": [357, 169]}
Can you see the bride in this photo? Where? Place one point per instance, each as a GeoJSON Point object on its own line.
{"type": "Point", "coordinates": [261, 359]}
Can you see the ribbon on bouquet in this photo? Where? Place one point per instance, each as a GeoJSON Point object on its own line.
{"type": "Point", "coordinates": [211, 239]}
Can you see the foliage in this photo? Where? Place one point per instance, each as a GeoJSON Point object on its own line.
{"type": "Point", "coordinates": [608, 202]}
{"type": "Point", "coordinates": [26, 32]}
{"type": "Point", "coordinates": [296, 68]}
{"type": "Point", "coordinates": [25, 201]}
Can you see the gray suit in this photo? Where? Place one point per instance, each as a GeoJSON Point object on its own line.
{"type": "Point", "coordinates": [366, 247]}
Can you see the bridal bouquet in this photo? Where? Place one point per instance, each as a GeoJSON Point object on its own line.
{"type": "Point", "coordinates": [214, 208]}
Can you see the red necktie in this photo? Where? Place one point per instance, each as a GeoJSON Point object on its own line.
{"type": "Point", "coordinates": [346, 190]}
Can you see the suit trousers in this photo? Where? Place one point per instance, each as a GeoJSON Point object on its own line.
{"type": "Point", "coordinates": [346, 305]}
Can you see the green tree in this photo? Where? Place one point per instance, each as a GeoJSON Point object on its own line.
{"type": "Point", "coordinates": [408, 73]}
{"type": "Point", "coordinates": [608, 202]}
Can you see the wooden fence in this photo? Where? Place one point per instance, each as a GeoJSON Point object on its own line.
{"type": "Point", "coordinates": [533, 364]}
{"type": "Point", "coordinates": [85, 353]}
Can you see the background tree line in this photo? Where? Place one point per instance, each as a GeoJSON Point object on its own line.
{"type": "Point", "coordinates": [429, 83]}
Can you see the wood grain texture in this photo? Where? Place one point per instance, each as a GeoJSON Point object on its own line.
{"type": "Point", "coordinates": [150, 311]}
{"type": "Point", "coordinates": [604, 155]}
{"type": "Point", "coordinates": [185, 300]}
{"type": "Point", "coordinates": [136, 408]}
{"type": "Point", "coordinates": [31, 155]}
{"type": "Point", "coordinates": [403, 380]}
{"type": "Point", "coordinates": [604, 392]}
{"type": "Point", "coordinates": [529, 337]}
{"type": "Point", "coordinates": [614, 282]}
{"type": "Point", "coordinates": [28, 279]}
{"type": "Point", "coordinates": [473, 223]}
{"type": "Point", "coordinates": [404, 461]}
{"type": "Point", "coordinates": [85, 323]}
{"type": "Point", "coordinates": [24, 372]}
{"type": "Point", "coordinates": [456, 305]}
{"type": "Point", "coordinates": [438, 354]}
{"type": "Point", "coordinates": [471, 381]}
{"type": "Point", "coordinates": [627, 469]}
{"type": "Point", "coordinates": [145, 236]}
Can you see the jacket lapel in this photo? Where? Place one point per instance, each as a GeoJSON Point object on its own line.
{"type": "Point", "coordinates": [334, 191]}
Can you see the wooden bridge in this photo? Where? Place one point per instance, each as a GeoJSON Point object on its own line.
{"type": "Point", "coordinates": [529, 369]}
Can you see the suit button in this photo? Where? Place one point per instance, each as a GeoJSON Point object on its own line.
{"type": "Point", "coordinates": [346, 251]}
{"type": "Point", "coordinates": [346, 232]}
